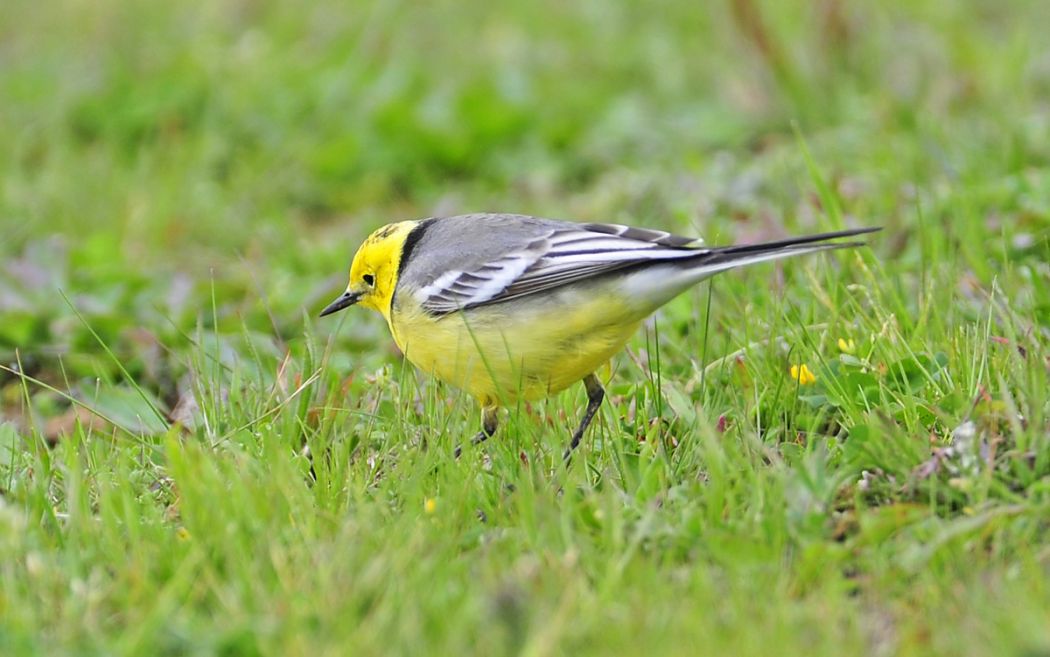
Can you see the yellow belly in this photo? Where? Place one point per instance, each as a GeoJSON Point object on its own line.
{"type": "Point", "coordinates": [521, 350]}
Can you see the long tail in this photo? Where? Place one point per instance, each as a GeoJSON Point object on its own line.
{"type": "Point", "coordinates": [717, 259]}
{"type": "Point", "coordinates": [659, 280]}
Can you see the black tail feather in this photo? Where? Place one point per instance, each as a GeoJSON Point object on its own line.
{"type": "Point", "coordinates": [794, 241]}
{"type": "Point", "coordinates": [728, 257]}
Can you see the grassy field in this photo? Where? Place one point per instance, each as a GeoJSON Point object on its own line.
{"type": "Point", "coordinates": [192, 464]}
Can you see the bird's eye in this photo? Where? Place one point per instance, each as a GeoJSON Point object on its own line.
{"type": "Point", "coordinates": [369, 279]}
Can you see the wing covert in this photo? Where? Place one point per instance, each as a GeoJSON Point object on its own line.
{"type": "Point", "coordinates": [561, 254]}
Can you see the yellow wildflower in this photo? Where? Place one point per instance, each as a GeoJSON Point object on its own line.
{"type": "Point", "coordinates": [847, 346]}
{"type": "Point", "coordinates": [802, 374]}
{"type": "Point", "coordinates": [430, 505]}
{"type": "Point", "coordinates": [182, 534]}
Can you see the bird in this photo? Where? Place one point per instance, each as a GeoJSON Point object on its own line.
{"type": "Point", "coordinates": [510, 307]}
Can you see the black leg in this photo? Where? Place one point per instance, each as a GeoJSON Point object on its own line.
{"type": "Point", "coordinates": [489, 423]}
{"type": "Point", "coordinates": [595, 395]}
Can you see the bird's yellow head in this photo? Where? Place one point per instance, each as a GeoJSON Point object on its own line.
{"type": "Point", "coordinates": [373, 273]}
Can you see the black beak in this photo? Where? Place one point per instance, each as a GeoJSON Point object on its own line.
{"type": "Point", "coordinates": [345, 301]}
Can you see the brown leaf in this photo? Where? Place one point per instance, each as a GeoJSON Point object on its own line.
{"type": "Point", "coordinates": [66, 423]}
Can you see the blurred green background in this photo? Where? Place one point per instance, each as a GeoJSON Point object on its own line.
{"type": "Point", "coordinates": [182, 186]}
{"type": "Point", "coordinates": [149, 151]}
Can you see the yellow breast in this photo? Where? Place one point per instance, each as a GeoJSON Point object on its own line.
{"type": "Point", "coordinates": [520, 350]}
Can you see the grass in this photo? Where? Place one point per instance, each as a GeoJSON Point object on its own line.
{"type": "Point", "coordinates": [191, 463]}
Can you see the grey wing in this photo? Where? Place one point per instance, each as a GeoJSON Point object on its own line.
{"type": "Point", "coordinates": [545, 256]}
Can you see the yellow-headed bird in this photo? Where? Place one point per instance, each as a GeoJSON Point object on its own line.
{"type": "Point", "coordinates": [511, 307]}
